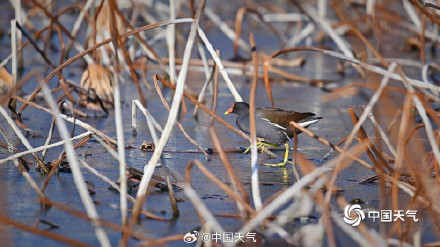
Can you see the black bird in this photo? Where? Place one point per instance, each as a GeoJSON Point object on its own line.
{"type": "Point", "coordinates": [272, 125]}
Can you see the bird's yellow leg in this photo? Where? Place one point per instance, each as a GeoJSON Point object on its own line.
{"type": "Point", "coordinates": [286, 157]}
{"type": "Point", "coordinates": [260, 146]}
{"type": "Point", "coordinates": [285, 175]}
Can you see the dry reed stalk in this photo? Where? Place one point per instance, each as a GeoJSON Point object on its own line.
{"type": "Point", "coordinates": [55, 163]}
{"type": "Point", "coordinates": [14, 51]}
{"type": "Point", "coordinates": [70, 119]}
{"type": "Point", "coordinates": [403, 130]}
{"type": "Point", "coordinates": [173, 200]}
{"type": "Point", "coordinates": [214, 93]}
{"type": "Point", "coordinates": [104, 178]}
{"type": "Point", "coordinates": [382, 134]}
{"type": "Point", "coordinates": [296, 62]}
{"type": "Point", "coordinates": [46, 59]}
{"type": "Point", "coordinates": [9, 57]}
{"type": "Point", "coordinates": [52, 18]}
{"type": "Point", "coordinates": [105, 223]}
{"type": "Point", "coordinates": [76, 171]}
{"type": "Point", "coordinates": [239, 22]}
{"type": "Point", "coordinates": [236, 184]}
{"type": "Point", "coordinates": [22, 138]}
{"type": "Point", "coordinates": [380, 162]}
{"type": "Point", "coordinates": [426, 12]}
{"type": "Point", "coordinates": [289, 193]}
{"type": "Point", "coordinates": [47, 234]}
{"type": "Point", "coordinates": [218, 62]}
{"type": "Point", "coordinates": [349, 230]}
{"type": "Point", "coordinates": [141, 39]}
{"type": "Point", "coordinates": [223, 26]}
{"type": "Point", "coordinates": [403, 186]}
{"type": "Point", "coordinates": [52, 125]}
{"type": "Point", "coordinates": [116, 187]}
{"type": "Point", "coordinates": [151, 123]}
{"type": "Point", "coordinates": [315, 190]}
{"type": "Point", "coordinates": [413, 131]}
{"type": "Point", "coordinates": [179, 125]}
{"type": "Point", "coordinates": [361, 36]}
{"type": "Point", "coordinates": [342, 93]}
{"type": "Point", "coordinates": [114, 27]}
{"type": "Point", "coordinates": [295, 153]}
{"type": "Point", "coordinates": [105, 29]}
{"type": "Point", "coordinates": [369, 67]}
{"type": "Point", "coordinates": [324, 24]}
{"type": "Point", "coordinates": [326, 211]}
{"type": "Point", "coordinates": [342, 202]}
{"type": "Point", "coordinates": [19, 166]}
{"type": "Point", "coordinates": [230, 71]}
{"type": "Point", "coordinates": [422, 41]}
{"type": "Point", "coordinates": [298, 37]}
{"type": "Point", "coordinates": [18, 19]}
{"type": "Point", "coordinates": [362, 85]}
{"type": "Point", "coordinates": [228, 191]}
{"type": "Point", "coordinates": [149, 168]}
{"type": "Point", "coordinates": [202, 209]}
{"type": "Point", "coordinates": [362, 228]}
{"type": "Point", "coordinates": [203, 90]}
{"type": "Point", "coordinates": [121, 46]}
{"type": "Point", "coordinates": [77, 24]}
{"type": "Point", "coordinates": [210, 62]}
{"type": "Point", "coordinates": [335, 147]}
{"type": "Point", "coordinates": [412, 15]}
{"type": "Point", "coordinates": [94, 47]}
{"type": "Point", "coordinates": [204, 108]}
{"type": "Point", "coordinates": [362, 119]}
{"type": "Point", "coordinates": [294, 77]}
{"type": "Point", "coordinates": [42, 148]}
{"type": "Point", "coordinates": [162, 241]}
{"type": "Point", "coordinates": [202, 54]}
{"type": "Point", "coordinates": [422, 112]}
{"type": "Point", "coordinates": [256, 195]}
{"type": "Point", "coordinates": [171, 43]}
{"type": "Point", "coordinates": [283, 17]}
{"type": "Point", "coordinates": [112, 151]}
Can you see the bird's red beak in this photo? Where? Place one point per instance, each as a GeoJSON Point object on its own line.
{"type": "Point", "coordinates": [229, 110]}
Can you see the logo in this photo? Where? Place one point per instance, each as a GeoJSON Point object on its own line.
{"type": "Point", "coordinates": [190, 237]}
{"type": "Point", "coordinates": [349, 209]}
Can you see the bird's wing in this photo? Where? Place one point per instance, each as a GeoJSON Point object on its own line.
{"type": "Point", "coordinates": [274, 125]}
{"type": "Point", "coordinates": [282, 117]}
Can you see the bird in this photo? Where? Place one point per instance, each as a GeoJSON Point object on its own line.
{"type": "Point", "coordinates": [272, 125]}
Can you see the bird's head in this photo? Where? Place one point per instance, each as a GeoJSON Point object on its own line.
{"type": "Point", "coordinates": [237, 108]}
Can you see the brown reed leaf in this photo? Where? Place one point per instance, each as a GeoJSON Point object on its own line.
{"type": "Point", "coordinates": [5, 81]}
{"type": "Point", "coordinates": [103, 25]}
{"type": "Point", "coordinates": [98, 79]}
{"type": "Point", "coordinates": [380, 162]}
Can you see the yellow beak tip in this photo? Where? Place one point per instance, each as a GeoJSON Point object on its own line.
{"type": "Point", "coordinates": [226, 112]}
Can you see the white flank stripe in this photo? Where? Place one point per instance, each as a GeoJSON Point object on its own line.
{"type": "Point", "coordinates": [288, 138]}
{"type": "Point", "coordinates": [306, 124]}
{"type": "Point", "coordinates": [274, 124]}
